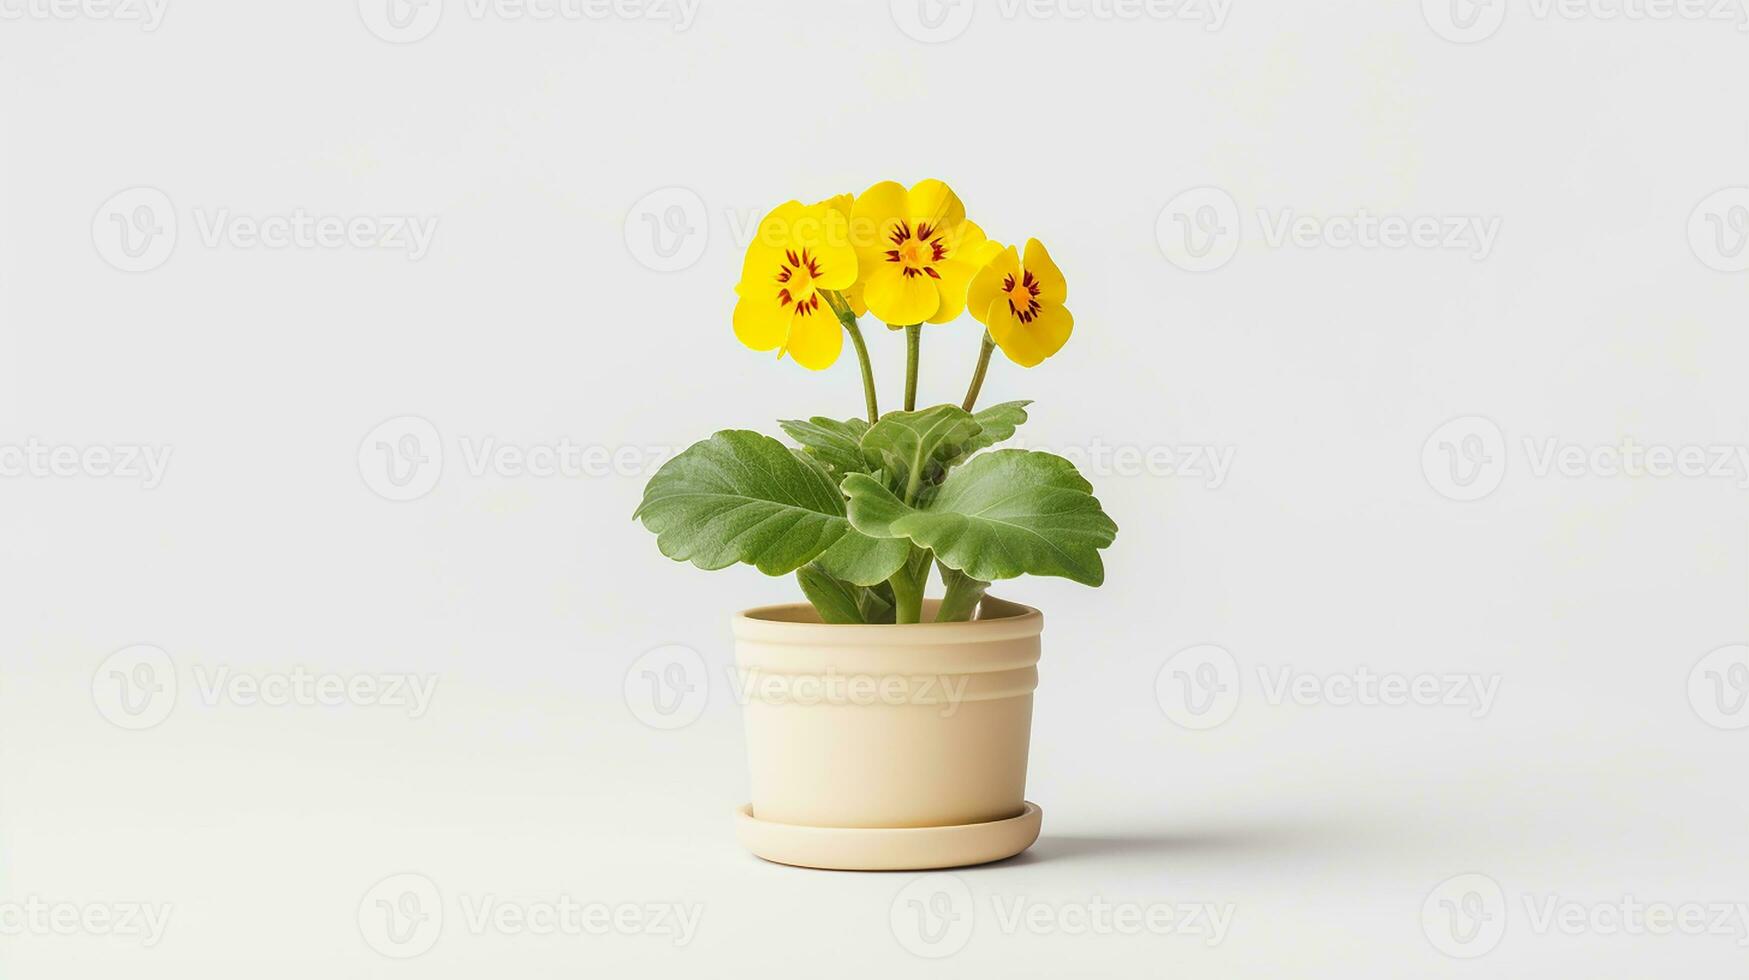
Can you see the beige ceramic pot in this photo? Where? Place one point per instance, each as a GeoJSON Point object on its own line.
{"type": "Point", "coordinates": [888, 747]}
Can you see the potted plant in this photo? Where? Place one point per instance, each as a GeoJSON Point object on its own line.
{"type": "Point", "coordinates": [887, 730]}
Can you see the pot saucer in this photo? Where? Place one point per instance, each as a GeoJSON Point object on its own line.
{"type": "Point", "coordinates": [888, 848]}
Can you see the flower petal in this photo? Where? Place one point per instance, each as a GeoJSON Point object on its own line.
{"type": "Point", "coordinates": [765, 251]}
{"type": "Point", "coordinates": [872, 219]}
{"type": "Point", "coordinates": [899, 299]}
{"type": "Point", "coordinates": [934, 203]}
{"type": "Point", "coordinates": [828, 239]}
{"type": "Point", "coordinates": [761, 322]}
{"type": "Point", "coordinates": [1053, 288]}
{"type": "Point", "coordinates": [815, 339]}
{"type": "Point", "coordinates": [853, 296]}
{"type": "Point", "coordinates": [972, 245]}
{"type": "Point", "coordinates": [1051, 328]}
{"type": "Point", "coordinates": [986, 285]}
{"type": "Point", "coordinates": [1027, 344]}
{"type": "Point", "coordinates": [956, 276]}
{"type": "Point", "coordinates": [841, 203]}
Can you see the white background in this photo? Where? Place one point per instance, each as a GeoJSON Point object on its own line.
{"type": "Point", "coordinates": [540, 314]}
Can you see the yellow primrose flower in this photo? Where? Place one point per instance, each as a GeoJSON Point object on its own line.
{"type": "Point", "coordinates": [1021, 302]}
{"type": "Point", "coordinates": [914, 250]}
{"type": "Point", "coordinates": [798, 252]}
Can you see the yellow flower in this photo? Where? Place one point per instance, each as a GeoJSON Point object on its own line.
{"type": "Point", "coordinates": [915, 251]}
{"type": "Point", "coordinates": [798, 252]}
{"type": "Point", "coordinates": [1021, 302]}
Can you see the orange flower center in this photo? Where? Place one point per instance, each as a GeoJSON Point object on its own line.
{"type": "Point", "coordinates": [916, 252]}
{"type": "Point", "coordinates": [1022, 296]}
{"type": "Point", "coordinates": [795, 277]}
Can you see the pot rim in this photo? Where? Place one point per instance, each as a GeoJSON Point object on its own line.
{"type": "Point", "coordinates": [999, 619]}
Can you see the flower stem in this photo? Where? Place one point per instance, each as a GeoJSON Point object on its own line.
{"type": "Point", "coordinates": [962, 596]}
{"type": "Point", "coordinates": [978, 375]}
{"type": "Point", "coordinates": [913, 347]}
{"type": "Point", "coordinates": [848, 318]}
{"type": "Point", "coordinates": [907, 596]}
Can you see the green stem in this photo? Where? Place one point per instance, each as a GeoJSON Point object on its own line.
{"type": "Point", "coordinates": [907, 596]}
{"type": "Point", "coordinates": [913, 347]}
{"type": "Point", "coordinates": [841, 306]}
{"type": "Point", "coordinates": [961, 598]}
{"type": "Point", "coordinates": [978, 375]}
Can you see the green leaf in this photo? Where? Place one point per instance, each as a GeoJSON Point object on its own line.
{"type": "Point", "coordinates": [997, 424]}
{"type": "Point", "coordinates": [916, 447]}
{"type": "Point", "coordinates": [837, 601]}
{"type": "Point", "coordinates": [833, 599]}
{"type": "Point", "coordinates": [1003, 514]}
{"type": "Point", "coordinates": [876, 603]}
{"type": "Point", "coordinates": [863, 560]}
{"type": "Point", "coordinates": [837, 445]}
{"type": "Point", "coordinates": [743, 497]}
